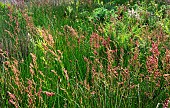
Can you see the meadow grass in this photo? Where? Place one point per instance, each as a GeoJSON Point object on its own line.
{"type": "Point", "coordinates": [85, 54]}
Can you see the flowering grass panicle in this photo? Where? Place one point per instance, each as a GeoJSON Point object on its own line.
{"type": "Point", "coordinates": [13, 100]}
{"type": "Point", "coordinates": [71, 31]}
{"type": "Point", "coordinates": [49, 94]}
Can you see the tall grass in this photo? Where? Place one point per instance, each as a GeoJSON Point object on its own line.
{"type": "Point", "coordinates": [85, 55]}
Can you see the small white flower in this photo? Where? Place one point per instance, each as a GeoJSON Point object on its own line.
{"type": "Point", "coordinates": [134, 13]}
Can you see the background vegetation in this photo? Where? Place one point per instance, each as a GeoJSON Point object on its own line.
{"type": "Point", "coordinates": [89, 54]}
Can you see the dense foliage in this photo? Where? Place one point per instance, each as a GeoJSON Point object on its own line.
{"type": "Point", "coordinates": [85, 54]}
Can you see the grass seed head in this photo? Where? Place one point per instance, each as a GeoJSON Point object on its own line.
{"type": "Point", "coordinates": [49, 94]}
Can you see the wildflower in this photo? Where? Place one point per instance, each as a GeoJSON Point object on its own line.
{"type": "Point", "coordinates": [134, 13]}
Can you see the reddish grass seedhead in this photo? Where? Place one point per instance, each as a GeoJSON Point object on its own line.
{"type": "Point", "coordinates": [95, 41]}
{"type": "Point", "coordinates": [39, 93]}
{"type": "Point", "coordinates": [49, 94]}
{"type": "Point", "coordinates": [152, 63]}
{"type": "Point", "coordinates": [71, 30]}
{"type": "Point", "coordinates": [154, 49]}
{"type": "Point", "coordinates": [167, 56]}
{"type": "Point", "coordinates": [66, 75]}
{"type": "Point", "coordinates": [13, 100]}
{"type": "Point", "coordinates": [34, 58]}
{"type": "Point", "coordinates": [31, 69]}
{"type": "Point", "coordinates": [166, 103]}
